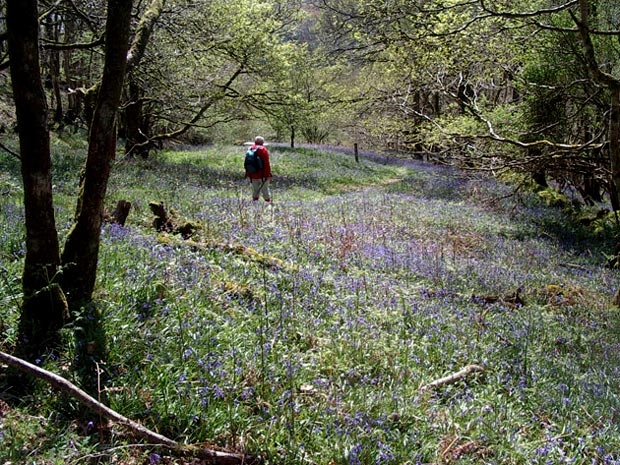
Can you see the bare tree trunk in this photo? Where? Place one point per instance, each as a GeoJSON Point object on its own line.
{"type": "Point", "coordinates": [80, 255]}
{"type": "Point", "coordinates": [44, 308]}
{"type": "Point", "coordinates": [72, 68]}
{"type": "Point", "coordinates": [53, 63]}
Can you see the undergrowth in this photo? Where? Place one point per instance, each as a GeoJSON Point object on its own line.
{"type": "Point", "coordinates": [303, 331]}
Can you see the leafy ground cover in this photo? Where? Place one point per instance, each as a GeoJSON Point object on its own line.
{"type": "Point", "coordinates": [305, 331]}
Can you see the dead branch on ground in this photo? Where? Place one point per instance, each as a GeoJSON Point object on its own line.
{"type": "Point", "coordinates": [453, 378]}
{"type": "Point", "coordinates": [214, 457]}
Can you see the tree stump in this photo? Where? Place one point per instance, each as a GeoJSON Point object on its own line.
{"type": "Point", "coordinates": [120, 213]}
{"type": "Point", "coordinates": [162, 222]}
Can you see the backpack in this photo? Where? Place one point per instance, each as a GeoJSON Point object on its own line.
{"type": "Point", "coordinates": [253, 162]}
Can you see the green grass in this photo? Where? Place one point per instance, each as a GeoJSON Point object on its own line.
{"type": "Point", "coordinates": [303, 331]}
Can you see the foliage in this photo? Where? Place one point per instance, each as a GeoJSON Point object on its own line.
{"type": "Point", "coordinates": [472, 83]}
{"type": "Point", "coordinates": [208, 60]}
{"type": "Point", "coordinates": [303, 330]}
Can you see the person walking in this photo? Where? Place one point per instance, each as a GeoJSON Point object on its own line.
{"type": "Point", "coordinates": [262, 178]}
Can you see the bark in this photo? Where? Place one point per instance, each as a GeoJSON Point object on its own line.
{"type": "Point", "coordinates": [44, 309]}
{"type": "Point", "coordinates": [121, 212]}
{"type": "Point", "coordinates": [80, 255]}
{"type": "Point", "coordinates": [614, 143]}
{"type": "Point", "coordinates": [616, 300]}
{"type": "Point", "coordinates": [74, 98]}
{"type": "Point", "coordinates": [143, 33]}
{"type": "Point", "coordinates": [53, 62]}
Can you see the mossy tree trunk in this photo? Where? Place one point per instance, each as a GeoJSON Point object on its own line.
{"type": "Point", "coordinates": [137, 124]}
{"type": "Point", "coordinates": [44, 308]}
{"type": "Point", "coordinates": [80, 254]}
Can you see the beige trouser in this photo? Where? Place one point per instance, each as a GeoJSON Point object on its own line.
{"type": "Point", "coordinates": [261, 186]}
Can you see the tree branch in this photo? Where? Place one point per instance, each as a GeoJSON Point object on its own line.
{"type": "Point", "coordinates": [600, 76]}
{"type": "Point", "coordinates": [215, 457]}
{"type": "Point", "coordinates": [48, 45]}
{"type": "Point", "coordinates": [143, 33]}
{"type": "Point", "coordinates": [524, 145]}
{"type": "Point", "coordinates": [528, 14]}
{"type": "Point", "coordinates": [9, 151]}
{"type": "Point", "coordinates": [453, 378]}
{"type": "Point", "coordinates": [197, 116]}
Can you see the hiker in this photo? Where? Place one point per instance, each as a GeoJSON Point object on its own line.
{"type": "Point", "coordinates": [262, 178]}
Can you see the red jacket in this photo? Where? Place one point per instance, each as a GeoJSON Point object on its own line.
{"type": "Point", "coordinates": [266, 171]}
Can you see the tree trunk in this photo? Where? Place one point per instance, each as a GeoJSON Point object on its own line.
{"type": "Point", "coordinates": [614, 144]}
{"type": "Point", "coordinates": [136, 123]}
{"type": "Point", "coordinates": [44, 308]}
{"type": "Point", "coordinates": [53, 63]}
{"type": "Point", "coordinates": [613, 84]}
{"type": "Point", "coordinates": [80, 255]}
{"type": "Point", "coordinates": [71, 69]}
{"type": "Point", "coordinates": [136, 142]}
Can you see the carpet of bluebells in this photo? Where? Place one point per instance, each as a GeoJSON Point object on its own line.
{"type": "Point", "coordinates": [304, 331]}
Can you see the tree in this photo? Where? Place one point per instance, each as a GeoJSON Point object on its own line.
{"type": "Point", "coordinates": [71, 34]}
{"type": "Point", "coordinates": [44, 310]}
{"type": "Point", "coordinates": [136, 122]}
{"type": "Point", "coordinates": [231, 50]}
{"type": "Point", "coordinates": [612, 83]}
{"type": "Point", "coordinates": [304, 98]}
{"type": "Point", "coordinates": [414, 57]}
{"type": "Point", "coordinates": [205, 69]}
{"type": "Point", "coordinates": [81, 251]}
{"type": "Point", "coordinates": [44, 307]}
{"type": "Point", "coordinates": [449, 74]}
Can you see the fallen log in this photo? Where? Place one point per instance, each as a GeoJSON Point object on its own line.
{"type": "Point", "coordinates": [214, 457]}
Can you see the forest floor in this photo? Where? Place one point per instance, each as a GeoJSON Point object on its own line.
{"type": "Point", "coordinates": [378, 312]}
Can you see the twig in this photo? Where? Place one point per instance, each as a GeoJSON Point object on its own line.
{"type": "Point", "coordinates": [214, 457]}
{"type": "Point", "coordinates": [453, 378]}
{"type": "Point", "coordinates": [574, 266]}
